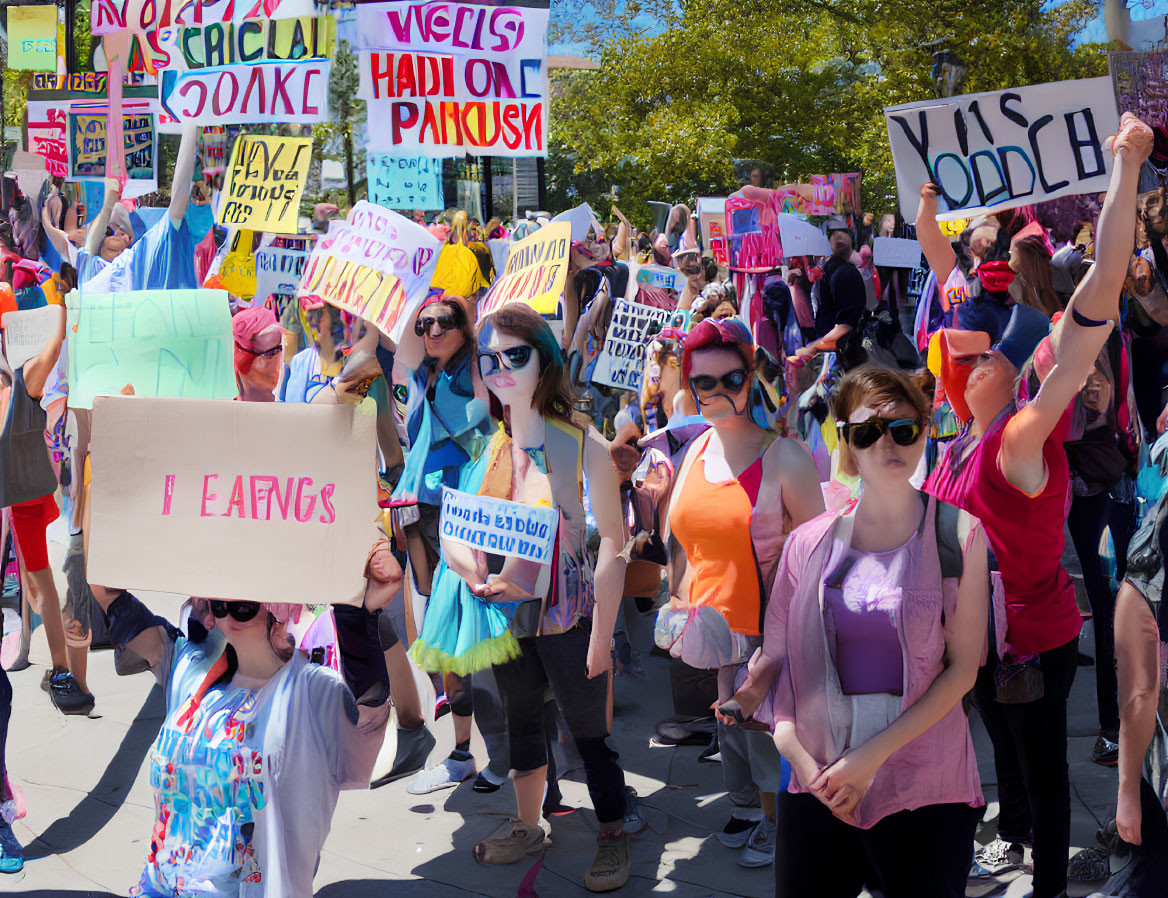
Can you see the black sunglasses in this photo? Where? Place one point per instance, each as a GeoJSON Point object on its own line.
{"type": "Point", "coordinates": [731, 380]}
{"type": "Point", "coordinates": [511, 359]}
{"type": "Point", "coordinates": [266, 354]}
{"type": "Point", "coordinates": [241, 611]}
{"type": "Point", "coordinates": [904, 431]}
{"type": "Point", "coordinates": [446, 322]}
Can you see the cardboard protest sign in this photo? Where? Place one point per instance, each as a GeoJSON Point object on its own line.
{"type": "Point", "coordinates": [753, 226]}
{"type": "Point", "coordinates": [87, 146]}
{"type": "Point", "coordinates": [280, 266]}
{"type": "Point", "coordinates": [292, 92]}
{"type": "Point", "coordinates": [712, 218]}
{"type": "Point", "coordinates": [623, 356]}
{"type": "Point", "coordinates": [172, 343]}
{"type": "Point", "coordinates": [267, 502]}
{"type": "Point", "coordinates": [536, 271]}
{"type": "Point", "coordinates": [265, 181]}
{"type": "Point", "coordinates": [377, 265]}
{"type": "Point", "coordinates": [27, 332]}
{"type": "Point", "coordinates": [32, 38]}
{"type": "Point", "coordinates": [405, 182]}
{"type": "Point", "coordinates": [801, 238]}
{"type": "Point", "coordinates": [896, 252]}
{"type": "Point", "coordinates": [1002, 149]}
{"type": "Point", "coordinates": [581, 218]}
{"type": "Point", "coordinates": [445, 79]}
{"type": "Point", "coordinates": [498, 526]}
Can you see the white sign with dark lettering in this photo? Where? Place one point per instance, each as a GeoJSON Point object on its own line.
{"type": "Point", "coordinates": [1002, 149]}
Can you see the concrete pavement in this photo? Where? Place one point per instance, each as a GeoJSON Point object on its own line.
{"type": "Point", "coordinates": [90, 808]}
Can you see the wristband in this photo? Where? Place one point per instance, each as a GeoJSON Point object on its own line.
{"type": "Point", "coordinates": [1084, 321]}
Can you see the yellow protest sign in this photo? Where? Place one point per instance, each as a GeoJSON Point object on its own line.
{"type": "Point", "coordinates": [536, 271]}
{"type": "Point", "coordinates": [265, 181]}
{"type": "Point", "coordinates": [32, 38]}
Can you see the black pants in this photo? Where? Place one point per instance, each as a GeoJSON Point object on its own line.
{"type": "Point", "coordinates": [1087, 518]}
{"type": "Point", "coordinates": [561, 661]}
{"type": "Point", "coordinates": [362, 659]}
{"type": "Point", "coordinates": [1030, 756]}
{"type": "Point", "coordinates": [924, 853]}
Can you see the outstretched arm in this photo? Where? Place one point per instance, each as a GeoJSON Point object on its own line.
{"type": "Point", "coordinates": [37, 369]}
{"type": "Point", "coordinates": [935, 245]}
{"type": "Point", "coordinates": [1081, 333]}
{"type": "Point", "coordinates": [184, 170]}
{"type": "Point", "coordinates": [96, 233]}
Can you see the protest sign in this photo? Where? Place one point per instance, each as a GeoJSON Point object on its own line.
{"type": "Point", "coordinates": [171, 343]}
{"type": "Point", "coordinates": [623, 356]}
{"type": "Point", "coordinates": [291, 92]}
{"type": "Point", "coordinates": [377, 265]}
{"type": "Point", "coordinates": [27, 332]}
{"type": "Point", "coordinates": [1140, 81]}
{"type": "Point", "coordinates": [499, 527]}
{"type": "Point", "coordinates": [896, 252]}
{"type": "Point", "coordinates": [581, 218]}
{"type": "Point", "coordinates": [47, 126]}
{"type": "Point", "coordinates": [712, 218]}
{"type": "Point", "coordinates": [87, 146]}
{"type": "Point", "coordinates": [661, 277]}
{"type": "Point", "coordinates": [32, 38]}
{"type": "Point", "coordinates": [265, 181]}
{"type": "Point", "coordinates": [405, 182]}
{"type": "Point", "coordinates": [1002, 149]}
{"type": "Point", "coordinates": [537, 269]}
{"type": "Point", "coordinates": [452, 78]}
{"type": "Point", "coordinates": [278, 268]}
{"type": "Point", "coordinates": [753, 233]}
{"type": "Point", "coordinates": [188, 493]}
{"type": "Point", "coordinates": [801, 238]}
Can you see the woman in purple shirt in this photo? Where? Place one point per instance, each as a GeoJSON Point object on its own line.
{"type": "Point", "coordinates": [874, 632]}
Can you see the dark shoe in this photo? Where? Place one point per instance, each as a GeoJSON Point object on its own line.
{"type": "Point", "coordinates": [634, 822]}
{"type": "Point", "coordinates": [484, 786]}
{"type": "Point", "coordinates": [67, 695]}
{"type": "Point", "coordinates": [1106, 750]}
{"type": "Point", "coordinates": [610, 869]}
{"type": "Point", "coordinates": [559, 809]}
{"type": "Point", "coordinates": [686, 732]}
{"type": "Point", "coordinates": [413, 747]}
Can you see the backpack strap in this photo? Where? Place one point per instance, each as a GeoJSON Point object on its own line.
{"type": "Point", "coordinates": [949, 540]}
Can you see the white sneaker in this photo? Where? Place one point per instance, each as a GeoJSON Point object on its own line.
{"type": "Point", "coordinates": [760, 850]}
{"type": "Point", "coordinates": [446, 775]}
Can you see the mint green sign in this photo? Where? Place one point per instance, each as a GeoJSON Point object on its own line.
{"type": "Point", "coordinates": [163, 343]}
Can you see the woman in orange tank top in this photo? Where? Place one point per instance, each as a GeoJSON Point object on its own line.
{"type": "Point", "coordinates": [737, 493]}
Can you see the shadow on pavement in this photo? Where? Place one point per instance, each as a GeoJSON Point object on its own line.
{"type": "Point", "coordinates": [97, 809]}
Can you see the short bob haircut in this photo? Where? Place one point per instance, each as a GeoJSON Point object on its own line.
{"type": "Point", "coordinates": [874, 386]}
{"type": "Point", "coordinates": [554, 396]}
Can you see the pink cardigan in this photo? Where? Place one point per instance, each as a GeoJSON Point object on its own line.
{"type": "Point", "coordinates": [939, 766]}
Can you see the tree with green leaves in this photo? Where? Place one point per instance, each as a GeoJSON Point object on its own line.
{"type": "Point", "coordinates": [798, 85]}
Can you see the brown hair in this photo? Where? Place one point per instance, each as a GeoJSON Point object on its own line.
{"type": "Point", "coordinates": [875, 385]}
{"type": "Point", "coordinates": [1033, 261]}
{"type": "Point", "coordinates": [554, 396]}
{"type": "Point", "coordinates": [465, 326]}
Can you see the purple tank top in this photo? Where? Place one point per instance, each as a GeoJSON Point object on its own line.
{"type": "Point", "coordinates": [861, 601]}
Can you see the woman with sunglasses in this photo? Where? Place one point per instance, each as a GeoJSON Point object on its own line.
{"type": "Point", "coordinates": [446, 423]}
{"type": "Point", "coordinates": [564, 629]}
{"type": "Point", "coordinates": [737, 493]}
{"type": "Point", "coordinates": [874, 633]}
{"type": "Point", "coordinates": [259, 354]}
{"type": "Point", "coordinates": [1009, 468]}
{"type": "Point", "coordinates": [256, 745]}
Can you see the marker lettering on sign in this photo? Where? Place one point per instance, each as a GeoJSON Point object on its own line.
{"type": "Point", "coordinates": [296, 496]}
{"type": "Point", "coordinates": [168, 494]}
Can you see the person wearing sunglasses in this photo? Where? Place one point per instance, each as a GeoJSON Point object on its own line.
{"type": "Point", "coordinates": [163, 258]}
{"type": "Point", "coordinates": [1009, 468]}
{"type": "Point", "coordinates": [254, 749]}
{"type": "Point", "coordinates": [737, 492]}
{"type": "Point", "coordinates": [874, 633]}
{"type": "Point", "coordinates": [259, 354]}
{"type": "Point", "coordinates": [446, 423]}
{"type": "Point", "coordinates": [561, 618]}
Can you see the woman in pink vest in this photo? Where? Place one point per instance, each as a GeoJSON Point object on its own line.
{"type": "Point", "coordinates": [875, 631]}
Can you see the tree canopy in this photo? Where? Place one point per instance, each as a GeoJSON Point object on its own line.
{"type": "Point", "coordinates": [798, 85]}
